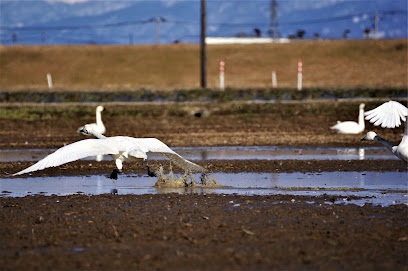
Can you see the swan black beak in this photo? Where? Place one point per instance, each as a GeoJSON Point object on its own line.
{"type": "Point", "coordinates": [363, 139]}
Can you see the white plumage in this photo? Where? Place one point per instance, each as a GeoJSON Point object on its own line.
{"type": "Point", "coordinates": [97, 127]}
{"type": "Point", "coordinates": [351, 127]}
{"type": "Point", "coordinates": [121, 148]}
{"type": "Point", "coordinates": [389, 115]}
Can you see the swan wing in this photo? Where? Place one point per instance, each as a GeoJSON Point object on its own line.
{"type": "Point", "coordinates": [72, 152]}
{"type": "Point", "coordinates": [153, 145]}
{"type": "Point", "coordinates": [183, 163]}
{"type": "Point", "coordinates": [388, 115]}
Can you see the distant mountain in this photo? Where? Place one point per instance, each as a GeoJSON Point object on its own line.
{"type": "Point", "coordinates": [167, 21]}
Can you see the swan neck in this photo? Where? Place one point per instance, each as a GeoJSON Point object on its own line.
{"type": "Point", "coordinates": [386, 143]}
{"type": "Point", "coordinates": [98, 118]}
{"type": "Point", "coordinates": [361, 122]}
{"type": "Point", "coordinates": [99, 136]}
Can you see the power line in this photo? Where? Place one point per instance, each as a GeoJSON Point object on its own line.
{"type": "Point", "coordinates": [16, 34]}
{"type": "Point", "coordinates": [69, 27]}
{"type": "Point", "coordinates": [341, 18]}
{"type": "Point", "coordinates": [221, 24]}
{"type": "Point", "coordinates": [313, 21]}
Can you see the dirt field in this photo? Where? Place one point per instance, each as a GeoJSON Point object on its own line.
{"type": "Point", "coordinates": [329, 63]}
{"type": "Point", "coordinates": [198, 231]}
{"type": "Point", "coordinates": [301, 123]}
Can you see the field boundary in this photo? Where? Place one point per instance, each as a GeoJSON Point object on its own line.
{"type": "Point", "coordinates": [196, 95]}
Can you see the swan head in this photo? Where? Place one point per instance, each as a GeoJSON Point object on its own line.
{"type": "Point", "coordinates": [85, 130]}
{"type": "Point", "coordinates": [100, 108]}
{"type": "Point", "coordinates": [370, 136]}
{"type": "Point", "coordinates": [88, 130]}
{"type": "Point", "coordinates": [362, 106]}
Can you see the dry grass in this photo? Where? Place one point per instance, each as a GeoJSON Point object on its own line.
{"type": "Point", "coordinates": [365, 63]}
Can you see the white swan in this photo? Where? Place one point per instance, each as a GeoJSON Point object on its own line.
{"type": "Point", "coordinates": [121, 148]}
{"type": "Point", "coordinates": [389, 115]}
{"type": "Point", "coordinates": [97, 127]}
{"type": "Point", "coordinates": [351, 127]}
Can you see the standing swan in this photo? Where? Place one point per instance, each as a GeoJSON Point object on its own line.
{"type": "Point", "coordinates": [351, 127]}
{"type": "Point", "coordinates": [97, 127]}
{"type": "Point", "coordinates": [121, 148]}
{"type": "Point", "coordinates": [388, 115]}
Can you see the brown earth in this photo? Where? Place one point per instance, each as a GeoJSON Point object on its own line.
{"type": "Point", "coordinates": [326, 63]}
{"type": "Point", "coordinates": [197, 231]}
{"type": "Point", "coordinates": [300, 123]}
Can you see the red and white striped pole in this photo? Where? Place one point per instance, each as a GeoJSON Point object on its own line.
{"type": "Point", "coordinates": [299, 84]}
{"type": "Point", "coordinates": [222, 67]}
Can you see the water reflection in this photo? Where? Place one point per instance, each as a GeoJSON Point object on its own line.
{"type": "Point", "coordinates": [361, 153]}
{"type": "Point", "coordinates": [385, 187]}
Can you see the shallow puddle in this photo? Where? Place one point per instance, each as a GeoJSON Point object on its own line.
{"type": "Point", "coordinates": [382, 188]}
{"type": "Point", "coordinates": [235, 153]}
{"type": "Point", "coordinates": [283, 153]}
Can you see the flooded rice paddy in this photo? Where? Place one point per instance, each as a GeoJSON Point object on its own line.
{"type": "Point", "coordinates": [379, 188]}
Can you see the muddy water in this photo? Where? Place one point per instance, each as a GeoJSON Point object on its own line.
{"type": "Point", "coordinates": [382, 188]}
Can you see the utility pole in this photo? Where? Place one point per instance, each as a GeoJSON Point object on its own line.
{"type": "Point", "coordinates": [14, 38]}
{"type": "Point", "coordinates": [202, 47]}
{"type": "Point", "coordinates": [273, 21]}
{"type": "Point", "coordinates": [157, 20]}
{"type": "Point", "coordinates": [376, 20]}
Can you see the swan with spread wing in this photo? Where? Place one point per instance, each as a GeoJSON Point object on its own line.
{"type": "Point", "coordinates": [389, 115]}
{"type": "Point", "coordinates": [121, 148]}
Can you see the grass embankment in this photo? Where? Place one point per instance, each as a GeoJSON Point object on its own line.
{"type": "Point", "coordinates": [326, 64]}
{"type": "Point", "coordinates": [331, 110]}
{"type": "Point", "coordinates": [196, 95]}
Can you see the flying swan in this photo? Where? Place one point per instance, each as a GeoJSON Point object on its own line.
{"type": "Point", "coordinates": [121, 148]}
{"type": "Point", "coordinates": [389, 115]}
{"type": "Point", "coordinates": [98, 127]}
{"type": "Point", "coordinates": [351, 127]}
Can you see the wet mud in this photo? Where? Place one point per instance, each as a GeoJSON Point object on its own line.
{"type": "Point", "coordinates": [228, 166]}
{"type": "Point", "coordinates": [199, 231]}
{"type": "Point", "coordinates": [225, 124]}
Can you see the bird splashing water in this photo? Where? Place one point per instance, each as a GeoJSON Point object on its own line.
{"type": "Point", "coordinates": [185, 180]}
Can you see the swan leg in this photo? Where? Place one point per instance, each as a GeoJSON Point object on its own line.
{"type": "Point", "coordinates": [149, 172]}
{"type": "Point", "coordinates": [114, 174]}
{"type": "Point", "coordinates": [119, 164]}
